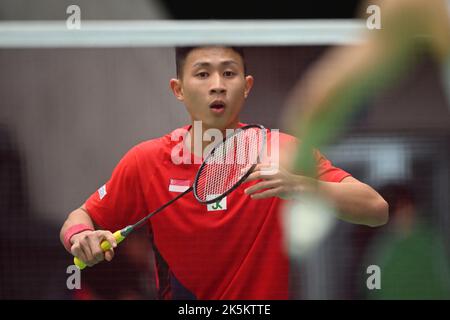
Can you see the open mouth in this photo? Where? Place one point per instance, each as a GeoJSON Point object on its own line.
{"type": "Point", "coordinates": [217, 106]}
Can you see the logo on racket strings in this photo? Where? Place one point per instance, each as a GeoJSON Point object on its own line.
{"type": "Point", "coordinates": [246, 149]}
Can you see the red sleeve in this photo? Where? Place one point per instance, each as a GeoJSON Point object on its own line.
{"type": "Point", "coordinates": [326, 171]}
{"type": "Point", "coordinates": [120, 201]}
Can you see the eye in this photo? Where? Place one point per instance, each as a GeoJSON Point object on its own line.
{"type": "Point", "coordinates": [229, 74]}
{"type": "Point", "coordinates": [202, 74]}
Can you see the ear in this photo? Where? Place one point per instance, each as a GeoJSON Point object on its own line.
{"type": "Point", "coordinates": [248, 85]}
{"type": "Point", "coordinates": [177, 89]}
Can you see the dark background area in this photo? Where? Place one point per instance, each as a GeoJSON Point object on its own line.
{"type": "Point", "coordinates": [262, 9]}
{"type": "Point", "coordinates": [173, 9]}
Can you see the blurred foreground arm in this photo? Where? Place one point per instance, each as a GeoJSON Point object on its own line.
{"type": "Point", "coordinates": [322, 101]}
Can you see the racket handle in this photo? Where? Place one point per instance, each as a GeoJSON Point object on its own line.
{"type": "Point", "coordinates": [105, 245]}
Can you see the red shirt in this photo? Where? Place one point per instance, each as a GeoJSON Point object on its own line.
{"type": "Point", "coordinates": [233, 250]}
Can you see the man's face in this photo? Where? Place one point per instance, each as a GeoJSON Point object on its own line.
{"type": "Point", "coordinates": [213, 86]}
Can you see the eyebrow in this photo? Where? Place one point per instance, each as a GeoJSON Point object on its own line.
{"type": "Point", "coordinates": [208, 64]}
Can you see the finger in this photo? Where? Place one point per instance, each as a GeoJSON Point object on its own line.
{"type": "Point", "coordinates": [94, 244]}
{"type": "Point", "coordinates": [262, 166]}
{"type": "Point", "coordinates": [78, 252]}
{"type": "Point", "coordinates": [109, 255]}
{"type": "Point", "coordinates": [269, 170]}
{"type": "Point", "coordinates": [267, 194]}
{"type": "Point", "coordinates": [262, 185]}
{"type": "Point", "coordinates": [96, 241]}
{"type": "Point", "coordinates": [85, 246]}
{"type": "Point", "coordinates": [253, 176]}
{"type": "Point", "coordinates": [261, 175]}
{"type": "Point", "coordinates": [108, 236]}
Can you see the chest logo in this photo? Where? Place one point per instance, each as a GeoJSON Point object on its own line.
{"type": "Point", "coordinates": [219, 205]}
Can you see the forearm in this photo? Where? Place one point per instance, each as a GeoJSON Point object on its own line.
{"type": "Point", "coordinates": [356, 202]}
{"type": "Point", "coordinates": [78, 216]}
{"type": "Point", "coordinates": [85, 245]}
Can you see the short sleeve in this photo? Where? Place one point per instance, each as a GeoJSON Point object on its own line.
{"type": "Point", "coordinates": [326, 171]}
{"type": "Point", "coordinates": [120, 201]}
{"type": "Point", "coordinates": [324, 168]}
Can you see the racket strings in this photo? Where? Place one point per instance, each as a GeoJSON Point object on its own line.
{"type": "Point", "coordinates": [229, 162]}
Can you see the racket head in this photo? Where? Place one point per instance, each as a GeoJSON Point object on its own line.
{"type": "Point", "coordinates": [229, 163]}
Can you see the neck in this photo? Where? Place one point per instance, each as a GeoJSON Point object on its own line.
{"type": "Point", "coordinates": [201, 134]}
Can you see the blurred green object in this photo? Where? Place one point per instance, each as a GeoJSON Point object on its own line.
{"type": "Point", "coordinates": [414, 265]}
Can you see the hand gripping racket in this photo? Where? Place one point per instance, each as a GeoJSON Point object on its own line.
{"type": "Point", "coordinates": [228, 164]}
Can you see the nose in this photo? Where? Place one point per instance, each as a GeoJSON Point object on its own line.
{"type": "Point", "coordinates": [217, 85]}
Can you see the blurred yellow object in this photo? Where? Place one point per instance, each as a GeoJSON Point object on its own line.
{"type": "Point", "coordinates": [324, 100]}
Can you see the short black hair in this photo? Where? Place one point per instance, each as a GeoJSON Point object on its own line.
{"type": "Point", "coordinates": [182, 52]}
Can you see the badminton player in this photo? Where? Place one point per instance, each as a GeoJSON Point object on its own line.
{"type": "Point", "coordinates": [228, 250]}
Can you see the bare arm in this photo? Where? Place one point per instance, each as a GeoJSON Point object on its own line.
{"type": "Point", "coordinates": [77, 216]}
{"type": "Point", "coordinates": [86, 244]}
{"type": "Point", "coordinates": [354, 201]}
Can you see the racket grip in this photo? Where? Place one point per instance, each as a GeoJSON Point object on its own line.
{"type": "Point", "coordinates": [105, 245]}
